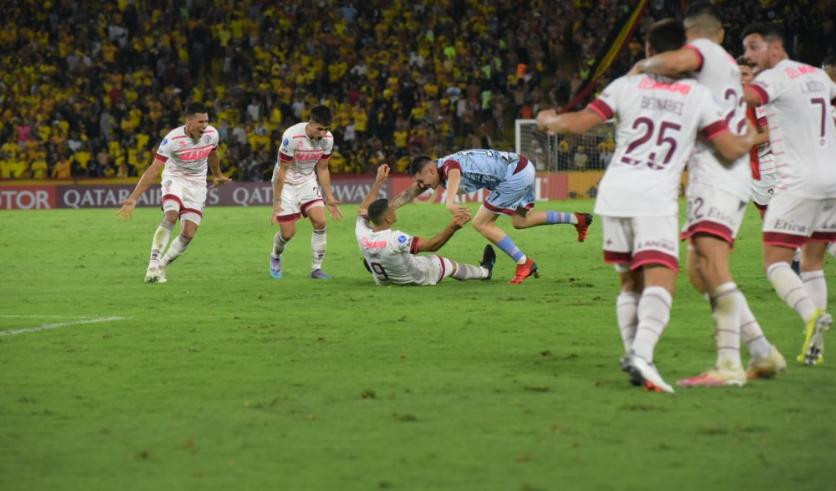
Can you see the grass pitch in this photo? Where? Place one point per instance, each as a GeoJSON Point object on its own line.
{"type": "Point", "coordinates": [226, 379]}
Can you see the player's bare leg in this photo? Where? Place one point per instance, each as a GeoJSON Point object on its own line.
{"type": "Point", "coordinates": [793, 292]}
{"type": "Point", "coordinates": [318, 242]}
{"type": "Point", "coordinates": [531, 218]}
{"type": "Point", "coordinates": [178, 246]}
{"type": "Point", "coordinates": [485, 223]}
{"type": "Point", "coordinates": [653, 313]}
{"type": "Point", "coordinates": [158, 244]}
{"type": "Point", "coordinates": [286, 232]}
{"type": "Point", "coordinates": [812, 274]}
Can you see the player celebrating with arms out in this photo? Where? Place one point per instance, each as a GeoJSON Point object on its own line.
{"type": "Point", "coordinates": [510, 178]}
{"type": "Point", "coordinates": [391, 255]}
{"type": "Point", "coordinates": [300, 178]}
{"type": "Point", "coordinates": [183, 156]}
{"type": "Point", "coordinates": [658, 120]}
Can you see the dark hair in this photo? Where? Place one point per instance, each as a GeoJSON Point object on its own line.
{"type": "Point", "coordinates": [829, 60]}
{"type": "Point", "coordinates": [321, 115]}
{"type": "Point", "coordinates": [418, 164]}
{"type": "Point", "coordinates": [195, 108]}
{"type": "Point", "coordinates": [702, 8]}
{"type": "Point", "coordinates": [770, 32]}
{"type": "Point", "coordinates": [666, 35]}
{"type": "Point", "coordinates": [742, 60]}
{"type": "Point", "coordinates": [377, 210]}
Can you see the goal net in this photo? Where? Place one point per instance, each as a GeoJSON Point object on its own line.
{"type": "Point", "coordinates": [552, 153]}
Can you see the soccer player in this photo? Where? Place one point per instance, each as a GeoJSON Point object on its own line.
{"type": "Point", "coordinates": [182, 156]}
{"type": "Point", "coordinates": [300, 178]}
{"type": "Point", "coordinates": [764, 176]}
{"type": "Point", "coordinates": [510, 178]}
{"type": "Point", "coordinates": [391, 255]}
{"type": "Point", "coordinates": [718, 194]}
{"type": "Point", "coordinates": [802, 212]}
{"type": "Point", "coordinates": [658, 121]}
{"type": "Point", "coordinates": [829, 67]}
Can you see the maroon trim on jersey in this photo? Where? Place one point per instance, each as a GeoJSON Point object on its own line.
{"type": "Point", "coordinates": [444, 169]}
{"type": "Point", "coordinates": [521, 164]}
{"type": "Point", "coordinates": [171, 197]}
{"type": "Point", "coordinates": [300, 136]}
{"type": "Point", "coordinates": [183, 211]}
{"type": "Point", "coordinates": [284, 157]}
{"type": "Point", "coordinates": [601, 108]}
{"type": "Point", "coordinates": [711, 228]}
{"type": "Point", "coordinates": [714, 129]}
{"type": "Point", "coordinates": [441, 260]}
{"type": "Point", "coordinates": [289, 218]}
{"type": "Point", "coordinates": [413, 246]}
{"type": "Point", "coordinates": [784, 240]}
{"type": "Point", "coordinates": [761, 92]}
{"type": "Point", "coordinates": [823, 237]}
{"type": "Point", "coordinates": [698, 53]}
{"type": "Point", "coordinates": [160, 158]}
{"type": "Point", "coordinates": [644, 258]}
{"type": "Point", "coordinates": [612, 257]}
{"type": "Point", "coordinates": [496, 209]}
{"type": "Point", "coordinates": [309, 204]}
{"type": "Point", "coordinates": [325, 157]}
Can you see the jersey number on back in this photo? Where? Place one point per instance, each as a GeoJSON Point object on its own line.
{"type": "Point", "coordinates": [660, 139]}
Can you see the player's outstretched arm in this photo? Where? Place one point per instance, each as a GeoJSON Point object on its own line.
{"type": "Point", "coordinates": [732, 146]}
{"type": "Point", "coordinates": [574, 123]}
{"type": "Point", "coordinates": [218, 179]}
{"type": "Point", "coordinates": [454, 179]}
{"type": "Point", "coordinates": [148, 177]}
{"type": "Point", "coordinates": [407, 195]}
{"type": "Point", "coordinates": [670, 63]}
{"type": "Point", "coordinates": [379, 181]}
{"type": "Point", "coordinates": [435, 243]}
{"type": "Point", "coordinates": [323, 174]}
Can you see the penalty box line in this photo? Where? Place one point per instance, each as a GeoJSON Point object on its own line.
{"type": "Point", "coordinates": [59, 325]}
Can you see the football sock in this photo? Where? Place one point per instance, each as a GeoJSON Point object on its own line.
{"type": "Point", "coordinates": [789, 287]}
{"type": "Point", "coordinates": [318, 241]}
{"type": "Point", "coordinates": [507, 245]}
{"type": "Point", "coordinates": [654, 312]}
{"type": "Point", "coordinates": [816, 287]}
{"type": "Point", "coordinates": [832, 249]}
{"type": "Point", "coordinates": [555, 217]}
{"type": "Point", "coordinates": [178, 246]}
{"type": "Point", "coordinates": [626, 305]}
{"type": "Point", "coordinates": [160, 240]}
{"type": "Point", "coordinates": [468, 272]}
{"type": "Point", "coordinates": [725, 302]}
{"type": "Point", "coordinates": [751, 333]}
{"type": "Point", "coordinates": [278, 244]}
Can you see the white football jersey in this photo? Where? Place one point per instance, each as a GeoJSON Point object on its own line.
{"type": "Point", "coordinates": [303, 152]}
{"type": "Point", "coordinates": [658, 120]}
{"type": "Point", "coordinates": [186, 157]}
{"type": "Point", "coordinates": [391, 256]}
{"type": "Point", "coordinates": [801, 133]}
{"type": "Point", "coordinates": [766, 163]}
{"type": "Point", "coordinates": [720, 73]}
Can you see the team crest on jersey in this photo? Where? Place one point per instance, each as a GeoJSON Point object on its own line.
{"type": "Point", "coordinates": [285, 143]}
{"type": "Point", "coordinates": [165, 140]}
{"type": "Point", "coordinates": [402, 239]}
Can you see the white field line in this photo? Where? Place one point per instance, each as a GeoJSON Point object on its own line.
{"type": "Point", "coordinates": [58, 325]}
{"type": "Point", "coordinates": [43, 316]}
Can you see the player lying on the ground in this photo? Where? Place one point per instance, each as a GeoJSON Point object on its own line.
{"type": "Point", "coordinates": [185, 152]}
{"type": "Point", "coordinates": [391, 255]}
{"type": "Point", "coordinates": [658, 121]}
{"type": "Point", "coordinates": [510, 178]}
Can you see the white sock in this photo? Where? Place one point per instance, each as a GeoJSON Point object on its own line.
{"type": "Point", "coordinates": [318, 242]}
{"type": "Point", "coordinates": [178, 246]}
{"type": "Point", "coordinates": [468, 272]}
{"type": "Point", "coordinates": [832, 249]}
{"type": "Point", "coordinates": [789, 287]}
{"type": "Point", "coordinates": [816, 287]}
{"type": "Point", "coordinates": [160, 240]}
{"type": "Point", "coordinates": [752, 334]}
{"type": "Point", "coordinates": [654, 312]}
{"type": "Point", "coordinates": [626, 306]}
{"type": "Point", "coordinates": [726, 312]}
{"type": "Point", "coordinates": [278, 244]}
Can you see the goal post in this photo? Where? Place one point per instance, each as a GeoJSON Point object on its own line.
{"type": "Point", "coordinates": [552, 153]}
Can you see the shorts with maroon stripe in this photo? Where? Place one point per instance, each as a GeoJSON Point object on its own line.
{"type": "Point", "coordinates": [186, 197]}
{"type": "Point", "coordinates": [713, 211]}
{"type": "Point", "coordinates": [791, 221]}
{"type": "Point", "coordinates": [297, 199]}
{"type": "Point", "coordinates": [633, 242]}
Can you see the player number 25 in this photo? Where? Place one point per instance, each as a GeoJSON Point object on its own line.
{"type": "Point", "coordinates": [660, 139]}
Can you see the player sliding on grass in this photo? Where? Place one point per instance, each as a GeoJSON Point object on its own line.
{"type": "Point", "coordinates": [390, 255]}
{"type": "Point", "coordinates": [184, 152]}
{"type": "Point", "coordinates": [510, 178]}
{"type": "Point", "coordinates": [658, 121]}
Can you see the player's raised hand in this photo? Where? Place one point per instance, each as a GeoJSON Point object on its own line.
{"type": "Point", "coordinates": [127, 209]}
{"type": "Point", "coordinates": [382, 173]}
{"type": "Point", "coordinates": [218, 181]}
{"type": "Point", "coordinates": [460, 219]}
{"type": "Point", "coordinates": [545, 117]}
{"type": "Point", "coordinates": [458, 210]}
{"type": "Point", "coordinates": [335, 211]}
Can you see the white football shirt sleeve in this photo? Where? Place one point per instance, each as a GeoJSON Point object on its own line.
{"type": "Point", "coordinates": [164, 151]}
{"type": "Point", "coordinates": [769, 85]}
{"type": "Point", "coordinates": [606, 102]}
{"type": "Point", "coordinates": [710, 120]}
{"type": "Point", "coordinates": [288, 147]}
{"type": "Point", "coordinates": [403, 243]}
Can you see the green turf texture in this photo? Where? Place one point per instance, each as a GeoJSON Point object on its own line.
{"type": "Point", "coordinates": [224, 378]}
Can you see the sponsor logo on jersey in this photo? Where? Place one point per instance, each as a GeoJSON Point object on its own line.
{"type": "Point", "coordinates": [165, 140]}
{"type": "Point", "coordinates": [402, 239]}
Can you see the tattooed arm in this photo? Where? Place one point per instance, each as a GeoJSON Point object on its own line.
{"type": "Point", "coordinates": [407, 195]}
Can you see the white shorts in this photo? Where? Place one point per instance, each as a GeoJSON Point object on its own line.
{"type": "Point", "coordinates": [297, 199]}
{"type": "Point", "coordinates": [437, 268]}
{"type": "Point", "coordinates": [186, 197]}
{"type": "Point", "coordinates": [763, 188]}
{"type": "Point", "coordinates": [633, 242]}
{"type": "Point", "coordinates": [791, 221]}
{"type": "Point", "coordinates": [713, 211]}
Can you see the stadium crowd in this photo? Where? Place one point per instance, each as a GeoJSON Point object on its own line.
{"type": "Point", "coordinates": [89, 88]}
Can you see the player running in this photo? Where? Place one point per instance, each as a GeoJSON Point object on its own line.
{"type": "Point", "coordinates": [182, 156]}
{"type": "Point", "coordinates": [718, 193]}
{"type": "Point", "coordinates": [300, 178]}
{"type": "Point", "coordinates": [391, 255]}
{"type": "Point", "coordinates": [510, 178]}
{"type": "Point", "coordinates": [802, 212]}
{"type": "Point", "coordinates": [658, 121]}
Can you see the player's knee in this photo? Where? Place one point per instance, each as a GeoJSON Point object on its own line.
{"type": "Point", "coordinates": [188, 233]}
{"type": "Point", "coordinates": [518, 222]}
{"type": "Point", "coordinates": [171, 217]}
{"type": "Point", "coordinates": [319, 224]}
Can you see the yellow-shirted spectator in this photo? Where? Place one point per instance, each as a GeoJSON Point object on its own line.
{"type": "Point", "coordinates": [62, 170]}
{"type": "Point", "coordinates": [39, 168]}
{"type": "Point", "coordinates": [400, 137]}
